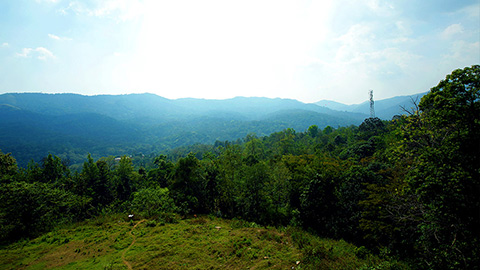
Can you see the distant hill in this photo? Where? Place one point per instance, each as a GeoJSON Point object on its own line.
{"type": "Point", "coordinates": [384, 109]}
{"type": "Point", "coordinates": [135, 106]}
{"type": "Point", "coordinates": [71, 125]}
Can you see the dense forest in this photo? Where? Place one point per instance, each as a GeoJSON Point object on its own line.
{"type": "Point", "coordinates": [71, 126]}
{"type": "Point", "coordinates": [407, 188]}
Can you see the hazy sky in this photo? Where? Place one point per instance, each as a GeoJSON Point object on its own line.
{"type": "Point", "coordinates": [305, 50]}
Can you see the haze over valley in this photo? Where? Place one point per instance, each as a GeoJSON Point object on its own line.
{"type": "Point", "coordinates": [71, 126]}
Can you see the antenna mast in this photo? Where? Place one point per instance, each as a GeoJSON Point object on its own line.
{"type": "Point", "coordinates": [372, 109]}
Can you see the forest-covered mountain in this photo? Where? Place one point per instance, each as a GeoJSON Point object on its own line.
{"type": "Point", "coordinates": [70, 125]}
{"type": "Point", "coordinates": [384, 109]}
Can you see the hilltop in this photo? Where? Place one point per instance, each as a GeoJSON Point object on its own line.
{"type": "Point", "coordinates": [114, 242]}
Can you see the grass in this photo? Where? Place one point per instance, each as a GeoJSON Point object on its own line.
{"type": "Point", "coordinates": [197, 243]}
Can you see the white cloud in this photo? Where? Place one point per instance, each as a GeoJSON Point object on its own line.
{"type": "Point", "coordinates": [404, 28]}
{"type": "Point", "coordinates": [52, 36]}
{"type": "Point", "coordinates": [43, 53]}
{"type": "Point", "coordinates": [5, 44]}
{"type": "Point", "coordinates": [75, 7]}
{"type": "Point", "coordinates": [55, 37]}
{"type": "Point", "coordinates": [381, 8]}
{"type": "Point", "coordinates": [40, 53]}
{"type": "Point", "coordinates": [25, 52]}
{"type": "Point", "coordinates": [463, 53]}
{"type": "Point", "coordinates": [471, 12]}
{"type": "Point", "coordinates": [358, 40]}
{"type": "Point", "coordinates": [47, 1]}
{"type": "Point", "coordinates": [452, 31]}
{"type": "Point", "coordinates": [121, 10]}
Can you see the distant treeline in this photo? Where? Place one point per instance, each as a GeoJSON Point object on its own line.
{"type": "Point", "coordinates": [408, 187]}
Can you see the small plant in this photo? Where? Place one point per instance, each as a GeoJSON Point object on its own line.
{"type": "Point", "coordinates": [386, 265]}
{"type": "Point", "coordinates": [169, 218]}
{"type": "Point", "coordinates": [361, 252]}
{"type": "Point", "coordinates": [151, 223]}
{"type": "Point", "coordinates": [197, 221]}
{"type": "Point", "coordinates": [300, 238]}
{"type": "Point", "coordinates": [109, 266]}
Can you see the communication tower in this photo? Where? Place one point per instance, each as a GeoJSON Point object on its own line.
{"type": "Point", "coordinates": [372, 109]}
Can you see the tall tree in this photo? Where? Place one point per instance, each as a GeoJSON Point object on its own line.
{"type": "Point", "coordinates": [8, 168]}
{"type": "Point", "coordinates": [189, 185]}
{"type": "Point", "coordinates": [442, 142]}
{"type": "Point", "coordinates": [53, 170]}
{"type": "Point", "coordinates": [125, 179]}
{"type": "Point", "coordinates": [94, 182]}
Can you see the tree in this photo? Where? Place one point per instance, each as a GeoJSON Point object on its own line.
{"type": "Point", "coordinates": [371, 126]}
{"type": "Point", "coordinates": [255, 203]}
{"type": "Point", "coordinates": [161, 175]}
{"type": "Point", "coordinates": [94, 182]}
{"type": "Point", "coordinates": [152, 202]}
{"type": "Point", "coordinates": [8, 168]}
{"type": "Point", "coordinates": [29, 209]}
{"type": "Point", "coordinates": [189, 185]}
{"type": "Point", "coordinates": [53, 170]}
{"type": "Point", "coordinates": [442, 143]}
{"type": "Point", "coordinates": [327, 130]}
{"type": "Point", "coordinates": [318, 204]}
{"type": "Point", "coordinates": [212, 183]}
{"type": "Point", "coordinates": [254, 147]}
{"type": "Point", "coordinates": [105, 189]}
{"type": "Point", "coordinates": [125, 179]}
{"type": "Point", "coordinates": [229, 164]}
{"type": "Point", "coordinates": [313, 131]}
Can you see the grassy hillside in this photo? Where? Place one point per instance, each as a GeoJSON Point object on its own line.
{"type": "Point", "coordinates": [196, 243]}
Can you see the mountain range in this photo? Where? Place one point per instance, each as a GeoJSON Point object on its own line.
{"type": "Point", "coordinates": [71, 125]}
{"type": "Point", "coordinates": [384, 109]}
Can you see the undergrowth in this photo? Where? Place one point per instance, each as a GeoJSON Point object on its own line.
{"type": "Point", "coordinates": [204, 242]}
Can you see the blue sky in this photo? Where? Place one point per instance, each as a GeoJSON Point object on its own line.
{"type": "Point", "coordinates": [217, 49]}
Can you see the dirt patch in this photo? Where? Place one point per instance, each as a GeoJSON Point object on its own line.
{"type": "Point", "coordinates": [133, 242]}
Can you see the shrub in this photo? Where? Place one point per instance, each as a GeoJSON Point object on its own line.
{"type": "Point", "coordinates": [150, 202]}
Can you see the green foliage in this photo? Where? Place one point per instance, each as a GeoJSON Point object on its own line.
{"type": "Point", "coordinates": [255, 202]}
{"type": "Point", "coordinates": [313, 131]}
{"type": "Point", "coordinates": [29, 209]}
{"type": "Point", "coordinates": [125, 179]}
{"type": "Point", "coordinates": [188, 185]}
{"type": "Point", "coordinates": [447, 176]}
{"type": "Point", "coordinates": [318, 203]}
{"type": "Point", "coordinates": [370, 127]}
{"type": "Point", "coordinates": [161, 175]}
{"type": "Point", "coordinates": [8, 168]}
{"type": "Point", "coordinates": [95, 181]}
{"type": "Point", "coordinates": [152, 202]}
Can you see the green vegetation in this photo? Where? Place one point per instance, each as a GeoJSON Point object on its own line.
{"type": "Point", "coordinates": [195, 243]}
{"type": "Point", "coordinates": [403, 190]}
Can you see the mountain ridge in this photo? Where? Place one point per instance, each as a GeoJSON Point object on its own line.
{"type": "Point", "coordinates": [384, 109]}
{"type": "Point", "coordinates": [146, 104]}
{"type": "Point", "coordinates": [32, 125]}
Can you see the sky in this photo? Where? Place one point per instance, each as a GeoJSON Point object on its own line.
{"type": "Point", "coordinates": [218, 49]}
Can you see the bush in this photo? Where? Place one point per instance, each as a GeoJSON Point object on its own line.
{"type": "Point", "coordinates": [26, 210]}
{"type": "Point", "coordinates": [153, 202]}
